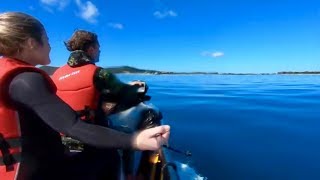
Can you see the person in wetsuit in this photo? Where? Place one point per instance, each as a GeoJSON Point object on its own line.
{"type": "Point", "coordinates": [89, 89]}
{"type": "Point", "coordinates": [32, 116]}
{"type": "Point", "coordinates": [85, 86]}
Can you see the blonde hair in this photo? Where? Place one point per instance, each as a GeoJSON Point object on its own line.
{"type": "Point", "coordinates": [15, 29]}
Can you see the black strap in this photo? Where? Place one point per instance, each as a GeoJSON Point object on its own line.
{"type": "Point", "coordinates": [15, 157]}
{"type": "Point", "coordinates": [14, 142]}
{"type": "Point", "coordinates": [86, 113]}
{"type": "Point", "coordinates": [7, 158]}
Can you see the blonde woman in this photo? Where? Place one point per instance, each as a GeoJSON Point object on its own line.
{"type": "Point", "coordinates": [32, 116]}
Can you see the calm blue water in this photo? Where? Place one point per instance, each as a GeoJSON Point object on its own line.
{"type": "Point", "coordinates": [242, 127]}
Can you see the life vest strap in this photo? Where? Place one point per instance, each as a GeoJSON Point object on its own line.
{"type": "Point", "coordinates": [7, 158]}
{"type": "Point", "coordinates": [13, 157]}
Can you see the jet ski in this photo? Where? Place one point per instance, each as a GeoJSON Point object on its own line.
{"type": "Point", "coordinates": [153, 165]}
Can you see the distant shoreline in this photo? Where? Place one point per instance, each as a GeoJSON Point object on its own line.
{"type": "Point", "coordinates": [131, 70]}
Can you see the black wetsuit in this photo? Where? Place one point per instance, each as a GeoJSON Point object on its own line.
{"type": "Point", "coordinates": [42, 116]}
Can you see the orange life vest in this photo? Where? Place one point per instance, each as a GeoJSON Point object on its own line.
{"type": "Point", "coordinates": [75, 86]}
{"type": "Point", "coordinates": [10, 135]}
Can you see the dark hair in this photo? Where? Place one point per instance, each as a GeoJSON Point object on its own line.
{"type": "Point", "coordinates": [81, 40]}
{"type": "Point", "coordinates": [15, 29]}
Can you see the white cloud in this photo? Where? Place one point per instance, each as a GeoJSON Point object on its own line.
{"type": "Point", "coordinates": [49, 2]}
{"type": "Point", "coordinates": [165, 14]}
{"type": "Point", "coordinates": [31, 8]}
{"type": "Point", "coordinates": [116, 25]}
{"type": "Point", "coordinates": [48, 9]}
{"type": "Point", "coordinates": [88, 11]}
{"type": "Point", "coordinates": [60, 4]}
{"type": "Point", "coordinates": [172, 13]}
{"type": "Point", "coordinates": [215, 54]}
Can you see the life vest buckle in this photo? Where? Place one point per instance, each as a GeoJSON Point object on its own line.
{"type": "Point", "coordinates": [7, 158]}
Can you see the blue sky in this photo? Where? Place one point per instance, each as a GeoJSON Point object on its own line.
{"type": "Point", "coordinates": [194, 35]}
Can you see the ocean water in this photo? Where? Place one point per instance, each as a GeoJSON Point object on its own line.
{"type": "Point", "coordinates": [242, 127]}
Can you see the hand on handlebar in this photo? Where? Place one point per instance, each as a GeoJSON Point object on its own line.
{"type": "Point", "coordinates": [142, 86]}
{"type": "Point", "coordinates": [152, 139]}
